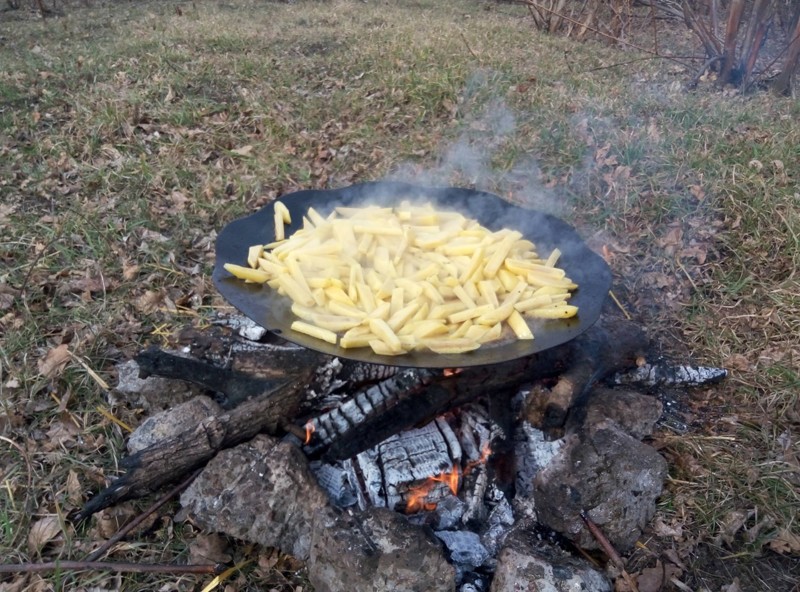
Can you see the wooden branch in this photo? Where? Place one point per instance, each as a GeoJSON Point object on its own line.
{"type": "Point", "coordinates": [166, 568]}
{"type": "Point", "coordinates": [123, 532]}
{"type": "Point", "coordinates": [609, 550]}
{"type": "Point", "coordinates": [237, 386]}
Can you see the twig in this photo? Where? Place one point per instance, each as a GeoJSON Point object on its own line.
{"type": "Point", "coordinates": [122, 532]}
{"type": "Point", "coordinates": [168, 568]}
{"type": "Point", "coordinates": [464, 38]}
{"type": "Point", "coordinates": [609, 550]}
{"type": "Point", "coordinates": [602, 33]}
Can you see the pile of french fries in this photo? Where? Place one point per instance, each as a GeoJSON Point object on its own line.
{"type": "Point", "coordinates": [410, 277]}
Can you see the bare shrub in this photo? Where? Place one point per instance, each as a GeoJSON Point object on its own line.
{"type": "Point", "coordinates": [734, 35]}
{"type": "Point", "coordinates": [577, 18]}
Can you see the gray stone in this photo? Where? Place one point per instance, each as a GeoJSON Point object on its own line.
{"type": "Point", "coordinates": [376, 551]}
{"type": "Point", "coordinates": [528, 564]}
{"type": "Point", "coordinates": [152, 394]}
{"type": "Point", "coordinates": [633, 412]}
{"type": "Point", "coordinates": [608, 474]}
{"type": "Point", "coordinates": [260, 491]}
{"type": "Point", "coordinates": [171, 422]}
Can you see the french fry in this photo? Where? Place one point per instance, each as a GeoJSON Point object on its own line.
{"type": "Point", "coordinates": [314, 331]}
{"type": "Point", "coordinates": [450, 345]}
{"type": "Point", "coordinates": [519, 326]}
{"type": "Point", "coordinates": [246, 273]}
{"type": "Point", "coordinates": [280, 208]}
{"type": "Point", "coordinates": [409, 277]}
{"type": "Point", "coordinates": [560, 311]}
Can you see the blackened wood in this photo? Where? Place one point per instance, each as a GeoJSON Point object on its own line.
{"type": "Point", "coordinates": [237, 386]}
{"type": "Point", "coordinates": [608, 348]}
{"type": "Point", "coordinates": [597, 353]}
{"type": "Point", "coordinates": [170, 459]}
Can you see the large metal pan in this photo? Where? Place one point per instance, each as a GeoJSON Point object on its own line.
{"type": "Point", "coordinates": [272, 311]}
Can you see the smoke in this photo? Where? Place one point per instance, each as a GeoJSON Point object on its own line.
{"type": "Point", "coordinates": [486, 154]}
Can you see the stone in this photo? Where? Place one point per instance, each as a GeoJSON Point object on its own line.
{"type": "Point", "coordinates": [261, 491]}
{"type": "Point", "coordinates": [151, 394]}
{"type": "Point", "coordinates": [526, 563]}
{"type": "Point", "coordinates": [378, 550]}
{"type": "Point", "coordinates": [171, 422]}
{"type": "Point", "coordinates": [634, 412]}
{"type": "Point", "coordinates": [611, 476]}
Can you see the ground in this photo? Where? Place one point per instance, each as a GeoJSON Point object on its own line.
{"type": "Point", "coordinates": [131, 132]}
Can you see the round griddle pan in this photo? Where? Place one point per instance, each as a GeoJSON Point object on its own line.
{"type": "Point", "coordinates": [272, 311]}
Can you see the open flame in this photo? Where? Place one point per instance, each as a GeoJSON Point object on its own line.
{"type": "Point", "coordinates": [416, 496]}
{"type": "Point", "coordinates": [310, 429]}
{"type": "Point", "coordinates": [416, 500]}
{"type": "Point", "coordinates": [486, 452]}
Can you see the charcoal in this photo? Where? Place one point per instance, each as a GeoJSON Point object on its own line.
{"type": "Point", "coordinates": [465, 548]}
{"type": "Point", "coordinates": [499, 523]}
{"type": "Point", "coordinates": [337, 483]}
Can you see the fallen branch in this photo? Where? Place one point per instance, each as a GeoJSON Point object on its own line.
{"type": "Point", "coordinates": [609, 550]}
{"type": "Point", "coordinates": [122, 532]}
{"type": "Point", "coordinates": [167, 568]}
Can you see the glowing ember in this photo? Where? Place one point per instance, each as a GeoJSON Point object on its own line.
{"type": "Point", "coordinates": [451, 371]}
{"type": "Point", "coordinates": [416, 496]}
{"type": "Point", "coordinates": [310, 429]}
{"type": "Point", "coordinates": [486, 452]}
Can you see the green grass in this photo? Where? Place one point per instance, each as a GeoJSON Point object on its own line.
{"type": "Point", "coordinates": [120, 128]}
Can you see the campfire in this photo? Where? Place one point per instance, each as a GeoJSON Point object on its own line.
{"type": "Point", "coordinates": [422, 472]}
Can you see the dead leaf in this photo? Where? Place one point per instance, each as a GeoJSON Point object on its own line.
{"type": "Point", "coordinates": [243, 151]}
{"type": "Point", "coordinates": [653, 579]}
{"type": "Point", "coordinates": [738, 362]}
{"type": "Point", "coordinates": [42, 532]}
{"type": "Point", "coordinates": [129, 270]}
{"type": "Point", "coordinates": [734, 586]}
{"type": "Point", "coordinates": [209, 548]}
{"type": "Point", "coordinates": [663, 530]}
{"type": "Point", "coordinates": [785, 543]}
{"type": "Point", "coordinates": [74, 490]}
{"type": "Point", "coordinates": [54, 361]}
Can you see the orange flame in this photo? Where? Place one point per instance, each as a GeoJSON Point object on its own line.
{"type": "Point", "coordinates": [486, 452]}
{"type": "Point", "coordinates": [451, 371]}
{"type": "Point", "coordinates": [416, 495]}
{"type": "Point", "coordinates": [310, 429]}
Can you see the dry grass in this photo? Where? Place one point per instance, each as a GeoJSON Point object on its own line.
{"type": "Point", "coordinates": [131, 132]}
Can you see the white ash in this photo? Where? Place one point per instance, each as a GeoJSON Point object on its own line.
{"type": "Point", "coordinates": [533, 453]}
{"type": "Point", "coordinates": [664, 374]}
{"type": "Point", "coordinates": [499, 523]}
{"type": "Point", "coordinates": [244, 326]}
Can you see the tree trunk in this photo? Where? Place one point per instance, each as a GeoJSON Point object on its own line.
{"type": "Point", "coordinates": [782, 85]}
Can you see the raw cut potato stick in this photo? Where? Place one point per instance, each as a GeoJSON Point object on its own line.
{"type": "Point", "coordinates": [409, 277]}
